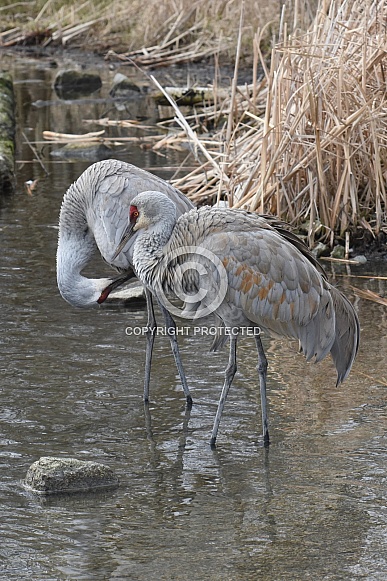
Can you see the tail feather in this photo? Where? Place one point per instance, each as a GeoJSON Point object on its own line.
{"type": "Point", "coordinates": [346, 344]}
{"type": "Point", "coordinates": [316, 339]}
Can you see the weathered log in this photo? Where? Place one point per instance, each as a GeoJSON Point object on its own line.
{"type": "Point", "coordinates": [190, 96]}
{"type": "Point", "coordinates": [7, 133]}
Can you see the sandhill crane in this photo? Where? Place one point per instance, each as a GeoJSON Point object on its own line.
{"type": "Point", "coordinates": [269, 278]}
{"type": "Point", "coordinates": [94, 216]}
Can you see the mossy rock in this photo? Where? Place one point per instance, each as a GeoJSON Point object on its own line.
{"type": "Point", "coordinates": [320, 249]}
{"type": "Point", "coordinates": [50, 475]}
{"type": "Point", "coordinates": [338, 251]}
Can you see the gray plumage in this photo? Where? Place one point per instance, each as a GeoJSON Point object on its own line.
{"type": "Point", "coordinates": [273, 282]}
{"type": "Point", "coordinates": [93, 217]}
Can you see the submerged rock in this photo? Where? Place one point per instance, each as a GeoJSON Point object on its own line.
{"type": "Point", "coordinates": [91, 150]}
{"type": "Point", "coordinates": [50, 475]}
{"type": "Point", "coordinates": [360, 258]}
{"type": "Point", "coordinates": [124, 87]}
{"type": "Point", "coordinates": [123, 90]}
{"type": "Point", "coordinates": [71, 84]}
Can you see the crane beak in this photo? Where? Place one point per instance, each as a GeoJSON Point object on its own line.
{"type": "Point", "coordinates": [126, 235]}
{"type": "Point", "coordinates": [114, 284]}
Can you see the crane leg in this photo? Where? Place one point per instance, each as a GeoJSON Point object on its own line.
{"type": "Point", "coordinates": [171, 326]}
{"type": "Point", "coordinates": [229, 376]}
{"type": "Point", "coordinates": [262, 373]}
{"type": "Point", "coordinates": [150, 339]}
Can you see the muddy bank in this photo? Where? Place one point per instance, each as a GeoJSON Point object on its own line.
{"type": "Point", "coordinates": [202, 72]}
{"type": "Point", "coordinates": [373, 247]}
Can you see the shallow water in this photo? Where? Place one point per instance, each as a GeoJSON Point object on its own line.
{"type": "Point", "coordinates": [312, 507]}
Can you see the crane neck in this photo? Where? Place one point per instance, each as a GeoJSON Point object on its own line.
{"type": "Point", "coordinates": [76, 246]}
{"type": "Point", "coordinates": [149, 247]}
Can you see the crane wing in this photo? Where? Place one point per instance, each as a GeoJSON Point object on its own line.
{"type": "Point", "coordinates": [272, 282]}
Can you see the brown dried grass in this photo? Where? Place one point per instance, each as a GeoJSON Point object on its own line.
{"type": "Point", "coordinates": [189, 29]}
{"type": "Point", "coordinates": [308, 143]}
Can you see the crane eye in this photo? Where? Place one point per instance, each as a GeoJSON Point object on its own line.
{"type": "Point", "coordinates": [133, 213]}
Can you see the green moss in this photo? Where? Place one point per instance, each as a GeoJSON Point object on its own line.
{"type": "Point", "coordinates": [7, 148]}
{"type": "Point", "coordinates": [6, 84]}
{"type": "Point", "coordinates": [7, 107]}
{"type": "Point", "coordinates": [7, 132]}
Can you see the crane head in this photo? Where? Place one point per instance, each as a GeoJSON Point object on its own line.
{"type": "Point", "coordinates": [147, 209]}
{"type": "Point", "coordinates": [116, 282]}
{"type": "Point", "coordinates": [129, 230]}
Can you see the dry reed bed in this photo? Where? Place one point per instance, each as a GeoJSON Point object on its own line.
{"type": "Point", "coordinates": [153, 32]}
{"type": "Point", "coordinates": [318, 152]}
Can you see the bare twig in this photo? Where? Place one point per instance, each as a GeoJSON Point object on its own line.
{"type": "Point", "coordinates": [35, 152]}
